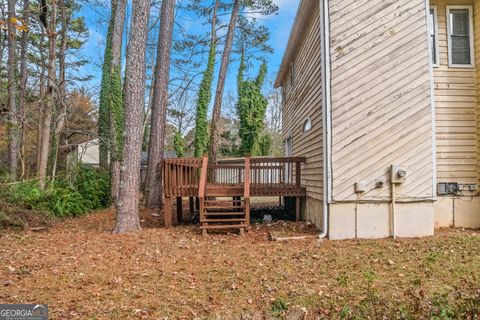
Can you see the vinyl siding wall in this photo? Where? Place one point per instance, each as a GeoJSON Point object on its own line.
{"type": "Point", "coordinates": [477, 60]}
{"type": "Point", "coordinates": [456, 110]}
{"type": "Point", "coordinates": [304, 100]}
{"type": "Point", "coordinates": [381, 97]}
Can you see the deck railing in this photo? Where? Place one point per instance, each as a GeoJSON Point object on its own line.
{"type": "Point", "coordinates": [277, 175]}
{"type": "Point", "coordinates": [266, 176]}
{"type": "Point", "coordinates": [181, 176]}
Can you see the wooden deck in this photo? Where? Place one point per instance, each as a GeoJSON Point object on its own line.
{"type": "Point", "coordinates": [238, 179]}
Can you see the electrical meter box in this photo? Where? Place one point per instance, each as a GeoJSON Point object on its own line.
{"type": "Point", "coordinates": [398, 174]}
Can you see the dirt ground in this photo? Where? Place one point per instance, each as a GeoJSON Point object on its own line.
{"type": "Point", "coordinates": [82, 271]}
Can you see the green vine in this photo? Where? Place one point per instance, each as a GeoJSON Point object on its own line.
{"type": "Point", "coordinates": [251, 109]}
{"type": "Point", "coordinates": [117, 114]}
{"type": "Point", "coordinates": [179, 144]}
{"type": "Point", "coordinates": [111, 115]}
{"type": "Point", "coordinates": [104, 106]}
{"type": "Point", "coordinates": [204, 97]}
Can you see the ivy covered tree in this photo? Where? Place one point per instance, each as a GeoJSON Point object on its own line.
{"type": "Point", "coordinates": [116, 112]}
{"type": "Point", "coordinates": [179, 144]}
{"type": "Point", "coordinates": [251, 109]}
{"type": "Point", "coordinates": [111, 114]}
{"type": "Point", "coordinates": [105, 94]}
{"type": "Point", "coordinates": [243, 12]}
{"type": "Point", "coordinates": [205, 94]}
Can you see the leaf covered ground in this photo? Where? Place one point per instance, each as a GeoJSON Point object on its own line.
{"type": "Point", "coordinates": [82, 271]}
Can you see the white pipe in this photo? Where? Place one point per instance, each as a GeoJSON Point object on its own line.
{"type": "Point", "coordinates": [326, 112]}
{"type": "Point", "coordinates": [394, 200]}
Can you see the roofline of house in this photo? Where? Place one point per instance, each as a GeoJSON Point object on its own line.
{"type": "Point", "coordinates": [303, 16]}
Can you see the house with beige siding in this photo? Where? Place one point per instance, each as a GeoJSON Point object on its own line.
{"type": "Point", "coordinates": [382, 97]}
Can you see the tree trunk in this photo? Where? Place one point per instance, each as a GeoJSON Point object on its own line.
{"type": "Point", "coordinates": [134, 102]}
{"type": "Point", "coordinates": [13, 141]}
{"type": "Point", "coordinates": [153, 185]}
{"type": "Point", "coordinates": [50, 95]}
{"type": "Point", "coordinates": [217, 107]}
{"type": "Point", "coordinates": [23, 85]}
{"type": "Point", "coordinates": [116, 113]}
{"type": "Point", "coordinates": [61, 107]}
{"type": "Point", "coordinates": [41, 104]}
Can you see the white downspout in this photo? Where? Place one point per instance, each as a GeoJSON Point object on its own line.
{"type": "Point", "coordinates": [326, 112]}
{"type": "Point", "coordinates": [394, 208]}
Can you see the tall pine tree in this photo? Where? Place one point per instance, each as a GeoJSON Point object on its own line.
{"type": "Point", "coordinates": [111, 114]}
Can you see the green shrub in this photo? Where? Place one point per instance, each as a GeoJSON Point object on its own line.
{"type": "Point", "coordinates": [27, 194]}
{"type": "Point", "coordinates": [64, 202]}
{"type": "Point", "coordinates": [94, 186]}
{"type": "Point", "coordinates": [90, 190]}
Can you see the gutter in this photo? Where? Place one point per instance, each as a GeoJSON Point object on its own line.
{"type": "Point", "coordinates": [327, 113]}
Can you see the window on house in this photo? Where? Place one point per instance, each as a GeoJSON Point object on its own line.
{"type": "Point", "coordinates": [433, 34]}
{"type": "Point", "coordinates": [288, 147]}
{"type": "Point", "coordinates": [288, 84]}
{"type": "Point", "coordinates": [460, 35]}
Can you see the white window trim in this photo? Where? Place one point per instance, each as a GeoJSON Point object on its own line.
{"type": "Point", "coordinates": [472, 35]}
{"type": "Point", "coordinates": [436, 46]}
{"type": "Point", "coordinates": [285, 142]}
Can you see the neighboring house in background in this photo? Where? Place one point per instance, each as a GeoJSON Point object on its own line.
{"type": "Point", "coordinates": [88, 153]}
{"type": "Point", "coordinates": [368, 85]}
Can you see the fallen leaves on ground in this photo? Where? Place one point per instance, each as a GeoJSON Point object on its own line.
{"type": "Point", "coordinates": [83, 271]}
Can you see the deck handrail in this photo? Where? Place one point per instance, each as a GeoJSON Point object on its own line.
{"type": "Point", "coordinates": [246, 179]}
{"type": "Point", "coordinates": [203, 178]}
{"type": "Point", "coordinates": [278, 159]}
{"type": "Point", "coordinates": [246, 191]}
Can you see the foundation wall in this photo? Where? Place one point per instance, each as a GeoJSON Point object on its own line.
{"type": "Point", "coordinates": [373, 221]}
{"type": "Point", "coordinates": [459, 212]}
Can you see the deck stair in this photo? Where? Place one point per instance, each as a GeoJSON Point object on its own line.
{"type": "Point", "coordinates": [225, 213]}
{"type": "Point", "coordinates": [225, 206]}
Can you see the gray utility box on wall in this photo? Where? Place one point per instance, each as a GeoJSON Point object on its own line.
{"type": "Point", "coordinates": [454, 188]}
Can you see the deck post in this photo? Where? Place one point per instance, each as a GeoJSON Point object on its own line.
{"type": "Point", "coordinates": [298, 178]}
{"type": "Point", "coordinates": [246, 195]}
{"type": "Point", "coordinates": [167, 212]}
{"type": "Point", "coordinates": [298, 174]}
{"type": "Point", "coordinates": [297, 209]}
{"type": "Point", "coordinates": [179, 210]}
{"type": "Point", "coordinates": [191, 203]}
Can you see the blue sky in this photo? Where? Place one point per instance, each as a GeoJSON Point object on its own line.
{"type": "Point", "coordinates": [97, 21]}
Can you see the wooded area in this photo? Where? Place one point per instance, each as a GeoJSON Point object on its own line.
{"type": "Point", "coordinates": [155, 94]}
